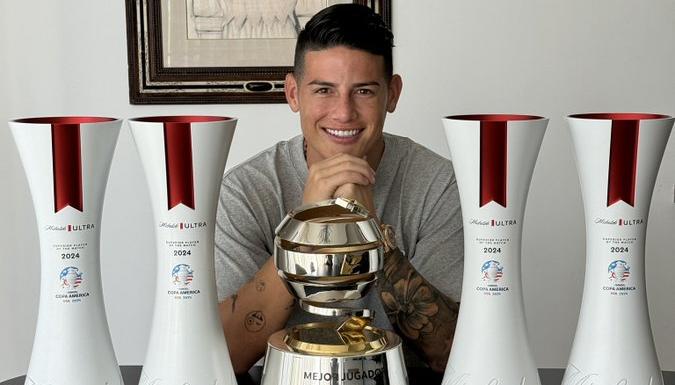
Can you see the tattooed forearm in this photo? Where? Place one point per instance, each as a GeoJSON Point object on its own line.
{"type": "Point", "coordinates": [259, 308]}
{"type": "Point", "coordinates": [421, 314]}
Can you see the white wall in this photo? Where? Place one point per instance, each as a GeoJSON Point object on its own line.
{"type": "Point", "coordinates": [541, 57]}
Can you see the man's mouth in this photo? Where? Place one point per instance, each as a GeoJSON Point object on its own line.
{"type": "Point", "coordinates": [343, 133]}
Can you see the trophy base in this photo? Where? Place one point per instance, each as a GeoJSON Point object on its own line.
{"type": "Point", "coordinates": [285, 366]}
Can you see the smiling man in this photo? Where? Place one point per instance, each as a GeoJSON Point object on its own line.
{"type": "Point", "coordinates": [343, 86]}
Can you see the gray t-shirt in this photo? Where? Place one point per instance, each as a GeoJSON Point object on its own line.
{"type": "Point", "coordinates": [415, 192]}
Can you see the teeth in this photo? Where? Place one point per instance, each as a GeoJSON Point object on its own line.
{"type": "Point", "coordinates": [342, 133]}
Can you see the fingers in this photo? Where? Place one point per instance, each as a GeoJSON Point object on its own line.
{"type": "Point", "coordinates": [342, 163]}
{"type": "Point", "coordinates": [327, 176]}
{"type": "Point", "coordinates": [337, 179]}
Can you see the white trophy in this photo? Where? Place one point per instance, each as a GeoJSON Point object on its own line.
{"type": "Point", "coordinates": [66, 160]}
{"type": "Point", "coordinates": [618, 156]}
{"type": "Point", "coordinates": [184, 158]}
{"type": "Point", "coordinates": [493, 157]}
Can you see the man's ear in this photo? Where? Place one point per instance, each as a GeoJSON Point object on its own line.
{"type": "Point", "coordinates": [291, 90]}
{"type": "Point", "coordinates": [394, 92]}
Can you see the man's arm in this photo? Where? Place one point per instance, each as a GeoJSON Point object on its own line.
{"type": "Point", "coordinates": [419, 312]}
{"type": "Point", "coordinates": [422, 314]}
{"type": "Point", "coordinates": [263, 305]}
{"type": "Point", "coordinates": [260, 307]}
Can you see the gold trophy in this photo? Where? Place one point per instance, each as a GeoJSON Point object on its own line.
{"type": "Point", "coordinates": [328, 254]}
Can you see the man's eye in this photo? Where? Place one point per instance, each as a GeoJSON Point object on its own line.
{"type": "Point", "coordinates": [322, 90]}
{"type": "Point", "coordinates": [365, 91]}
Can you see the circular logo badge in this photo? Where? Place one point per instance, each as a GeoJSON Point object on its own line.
{"type": "Point", "coordinates": [492, 271]}
{"type": "Point", "coordinates": [70, 277]}
{"type": "Point", "coordinates": [182, 275]}
{"type": "Point", "coordinates": [618, 271]}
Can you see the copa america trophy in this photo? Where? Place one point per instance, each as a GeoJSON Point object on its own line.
{"type": "Point", "coordinates": [493, 157]}
{"type": "Point", "coordinates": [184, 158]}
{"type": "Point", "coordinates": [328, 254]}
{"type": "Point", "coordinates": [66, 160]}
{"type": "Point", "coordinates": [618, 156]}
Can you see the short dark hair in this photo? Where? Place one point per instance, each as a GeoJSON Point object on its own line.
{"type": "Point", "coordinates": [350, 25]}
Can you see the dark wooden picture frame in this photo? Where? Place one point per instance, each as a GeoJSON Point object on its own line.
{"type": "Point", "coordinates": [151, 82]}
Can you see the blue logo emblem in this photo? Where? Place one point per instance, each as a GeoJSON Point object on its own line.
{"type": "Point", "coordinates": [70, 277]}
{"type": "Point", "coordinates": [182, 275]}
{"type": "Point", "coordinates": [492, 271]}
{"type": "Point", "coordinates": [618, 271]}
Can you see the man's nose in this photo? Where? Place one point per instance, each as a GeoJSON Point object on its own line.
{"type": "Point", "coordinates": [345, 109]}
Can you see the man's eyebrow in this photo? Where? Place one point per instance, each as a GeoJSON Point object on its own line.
{"type": "Point", "coordinates": [321, 83]}
{"type": "Point", "coordinates": [366, 84]}
{"type": "Point", "coordinates": [329, 84]}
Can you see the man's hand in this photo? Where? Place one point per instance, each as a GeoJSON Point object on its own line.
{"type": "Point", "coordinates": [341, 175]}
{"type": "Point", "coordinates": [362, 194]}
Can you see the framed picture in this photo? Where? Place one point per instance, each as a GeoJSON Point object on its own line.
{"type": "Point", "coordinates": [217, 51]}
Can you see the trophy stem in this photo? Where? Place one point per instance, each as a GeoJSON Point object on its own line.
{"type": "Point", "coordinates": [184, 158]}
{"type": "Point", "coordinates": [66, 160]}
{"type": "Point", "coordinates": [618, 157]}
{"type": "Point", "coordinates": [493, 158]}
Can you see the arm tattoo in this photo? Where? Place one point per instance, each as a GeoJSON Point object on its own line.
{"type": "Point", "coordinates": [260, 285]}
{"type": "Point", "coordinates": [254, 321]}
{"type": "Point", "coordinates": [421, 314]}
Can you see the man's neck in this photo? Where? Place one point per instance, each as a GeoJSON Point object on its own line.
{"type": "Point", "coordinates": [374, 156]}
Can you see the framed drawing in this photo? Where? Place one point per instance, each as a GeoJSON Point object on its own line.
{"type": "Point", "coordinates": [217, 51]}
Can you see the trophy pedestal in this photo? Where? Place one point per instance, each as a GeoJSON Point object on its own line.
{"type": "Point", "coordinates": [331, 362]}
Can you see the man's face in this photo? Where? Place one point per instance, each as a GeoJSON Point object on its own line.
{"type": "Point", "coordinates": [342, 96]}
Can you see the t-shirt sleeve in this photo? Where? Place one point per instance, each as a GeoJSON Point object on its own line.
{"type": "Point", "coordinates": [240, 247]}
{"type": "Point", "coordinates": [439, 250]}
